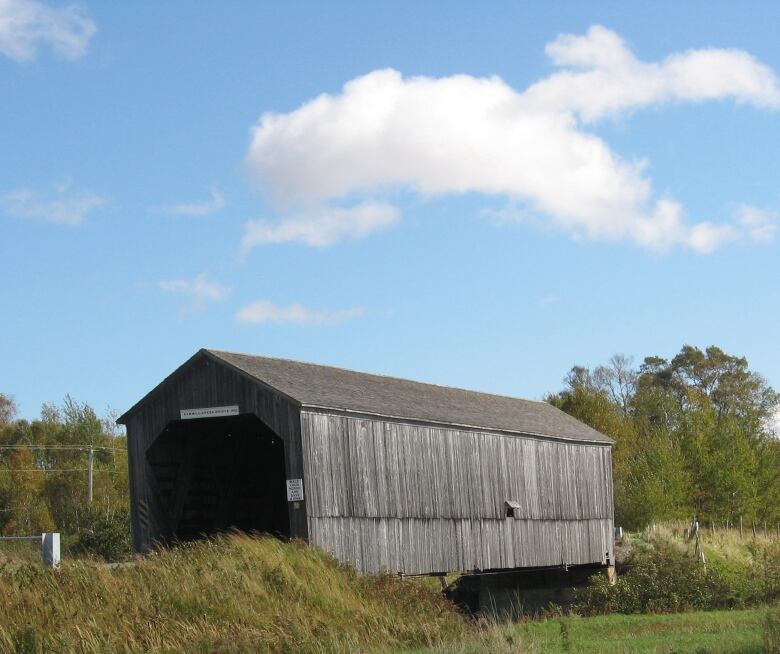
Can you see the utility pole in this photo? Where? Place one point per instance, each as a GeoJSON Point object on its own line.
{"type": "Point", "coordinates": [89, 475]}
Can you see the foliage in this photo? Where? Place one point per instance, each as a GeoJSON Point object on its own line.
{"type": "Point", "coordinates": [660, 579]}
{"type": "Point", "coordinates": [667, 577]}
{"type": "Point", "coordinates": [106, 535]}
{"type": "Point", "coordinates": [228, 594]}
{"type": "Point", "coordinates": [692, 436]}
{"type": "Point", "coordinates": [24, 508]}
{"type": "Point", "coordinates": [7, 409]}
{"type": "Point", "coordinates": [43, 469]}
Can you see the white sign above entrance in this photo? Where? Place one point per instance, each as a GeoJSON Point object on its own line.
{"type": "Point", "coordinates": [210, 412]}
{"type": "Point", "coordinates": [295, 490]}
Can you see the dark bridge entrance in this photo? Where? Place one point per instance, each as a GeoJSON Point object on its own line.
{"type": "Point", "coordinates": [215, 474]}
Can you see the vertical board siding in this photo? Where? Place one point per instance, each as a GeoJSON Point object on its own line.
{"type": "Point", "coordinates": [358, 467]}
{"type": "Point", "coordinates": [419, 546]}
{"type": "Point", "coordinates": [386, 495]}
{"type": "Point", "coordinates": [205, 383]}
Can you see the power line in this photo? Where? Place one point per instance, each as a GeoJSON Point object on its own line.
{"type": "Point", "coordinates": [63, 447]}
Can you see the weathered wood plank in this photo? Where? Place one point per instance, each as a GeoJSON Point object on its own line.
{"type": "Point", "coordinates": [431, 499]}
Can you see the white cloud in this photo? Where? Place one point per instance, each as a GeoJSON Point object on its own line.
{"type": "Point", "coordinates": [216, 203]}
{"type": "Point", "coordinates": [604, 78]}
{"type": "Point", "coordinates": [321, 227]}
{"type": "Point", "coordinates": [760, 225]}
{"type": "Point", "coordinates": [61, 205]}
{"type": "Point", "coordinates": [27, 24]}
{"type": "Point", "coordinates": [463, 134]}
{"type": "Point", "coordinates": [263, 311]}
{"type": "Point", "coordinates": [200, 289]}
{"type": "Point", "coordinates": [706, 237]}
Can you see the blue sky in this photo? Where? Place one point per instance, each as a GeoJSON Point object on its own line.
{"type": "Point", "coordinates": [479, 195]}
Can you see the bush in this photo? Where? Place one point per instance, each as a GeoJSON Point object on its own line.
{"type": "Point", "coordinates": [664, 578]}
{"type": "Point", "coordinates": [107, 535]}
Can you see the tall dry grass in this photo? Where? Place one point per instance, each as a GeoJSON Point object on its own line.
{"type": "Point", "coordinates": [772, 631]}
{"type": "Point", "coordinates": [231, 594]}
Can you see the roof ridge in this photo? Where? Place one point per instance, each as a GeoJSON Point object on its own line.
{"type": "Point", "coordinates": [376, 374]}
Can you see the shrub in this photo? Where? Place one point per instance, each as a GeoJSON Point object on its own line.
{"type": "Point", "coordinates": [661, 579]}
{"type": "Point", "coordinates": [664, 578]}
{"type": "Point", "coordinates": [107, 535]}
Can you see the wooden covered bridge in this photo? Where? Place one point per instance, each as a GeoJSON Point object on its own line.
{"type": "Point", "coordinates": [384, 473]}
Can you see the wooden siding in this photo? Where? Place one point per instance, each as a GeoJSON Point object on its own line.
{"type": "Point", "coordinates": [413, 498]}
{"type": "Point", "coordinates": [203, 382]}
{"type": "Point", "coordinates": [423, 546]}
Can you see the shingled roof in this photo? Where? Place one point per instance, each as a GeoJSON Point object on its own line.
{"type": "Point", "coordinates": [325, 387]}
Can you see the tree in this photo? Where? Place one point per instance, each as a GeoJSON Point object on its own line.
{"type": "Point", "coordinates": [725, 380]}
{"type": "Point", "coordinates": [25, 511]}
{"type": "Point", "coordinates": [617, 380]}
{"type": "Point", "coordinates": [692, 435]}
{"type": "Point", "coordinates": [43, 476]}
{"type": "Point", "coordinates": [7, 409]}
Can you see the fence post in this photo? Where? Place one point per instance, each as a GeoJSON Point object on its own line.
{"type": "Point", "coordinates": [50, 549]}
{"type": "Point", "coordinates": [89, 474]}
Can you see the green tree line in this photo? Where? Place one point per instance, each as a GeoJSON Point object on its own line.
{"type": "Point", "coordinates": [43, 470]}
{"type": "Point", "coordinates": [694, 436]}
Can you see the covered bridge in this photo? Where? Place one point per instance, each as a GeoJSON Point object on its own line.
{"type": "Point", "coordinates": [384, 473]}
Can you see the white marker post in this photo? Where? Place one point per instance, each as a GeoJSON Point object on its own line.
{"type": "Point", "coordinates": [50, 548]}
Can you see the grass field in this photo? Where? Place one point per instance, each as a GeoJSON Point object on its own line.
{"type": "Point", "coordinates": [716, 632]}
{"type": "Point", "coordinates": [228, 595]}
{"type": "Point", "coordinates": [726, 632]}
{"type": "Point", "coordinates": [244, 594]}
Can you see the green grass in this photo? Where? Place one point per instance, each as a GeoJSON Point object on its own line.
{"type": "Point", "coordinates": [721, 632]}
{"type": "Point", "coordinates": [725, 632]}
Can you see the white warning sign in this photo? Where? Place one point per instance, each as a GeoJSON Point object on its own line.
{"type": "Point", "coordinates": [295, 490]}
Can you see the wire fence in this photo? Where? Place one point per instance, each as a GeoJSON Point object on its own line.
{"type": "Point", "coordinates": [21, 548]}
{"type": "Point", "coordinates": [84, 448]}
